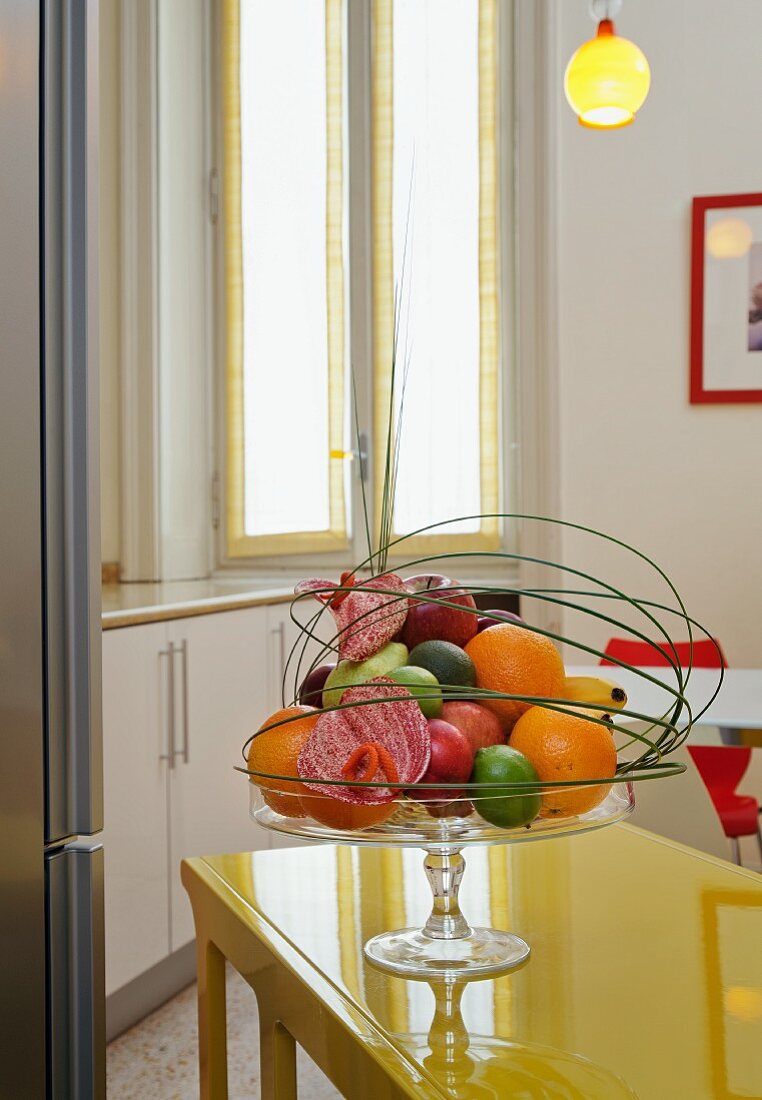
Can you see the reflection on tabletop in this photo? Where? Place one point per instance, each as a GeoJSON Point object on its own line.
{"type": "Point", "coordinates": [485, 1067]}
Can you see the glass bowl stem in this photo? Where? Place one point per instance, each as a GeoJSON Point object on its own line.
{"type": "Point", "coordinates": [444, 869]}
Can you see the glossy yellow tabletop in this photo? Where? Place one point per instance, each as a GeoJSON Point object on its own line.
{"type": "Point", "coordinates": [645, 976]}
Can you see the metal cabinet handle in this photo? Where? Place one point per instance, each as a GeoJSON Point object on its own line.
{"type": "Point", "coordinates": [280, 630]}
{"type": "Point", "coordinates": [186, 732]}
{"type": "Point", "coordinates": [170, 754]}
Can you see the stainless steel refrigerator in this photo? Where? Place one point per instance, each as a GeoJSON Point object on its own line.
{"type": "Point", "coordinates": [51, 869]}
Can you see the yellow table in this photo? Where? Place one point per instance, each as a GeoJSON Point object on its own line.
{"type": "Point", "coordinates": [645, 977]}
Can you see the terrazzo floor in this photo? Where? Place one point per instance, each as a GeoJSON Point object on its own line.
{"type": "Point", "coordinates": [158, 1058]}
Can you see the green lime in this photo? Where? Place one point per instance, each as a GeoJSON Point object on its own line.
{"type": "Point", "coordinates": [449, 663]}
{"type": "Point", "coordinates": [420, 682]}
{"type": "Point", "coordinates": [502, 806]}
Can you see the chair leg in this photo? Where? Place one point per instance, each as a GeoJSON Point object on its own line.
{"type": "Point", "coordinates": [212, 1023]}
{"type": "Point", "coordinates": [759, 838]}
{"type": "Point", "coordinates": [736, 850]}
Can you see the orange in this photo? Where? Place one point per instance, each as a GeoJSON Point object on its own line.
{"type": "Point", "coordinates": [518, 661]}
{"type": "Point", "coordinates": [346, 815]}
{"type": "Point", "coordinates": [567, 747]}
{"type": "Point", "coordinates": [276, 752]}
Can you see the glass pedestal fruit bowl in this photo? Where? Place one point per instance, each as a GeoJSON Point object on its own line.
{"type": "Point", "coordinates": [443, 824]}
{"type": "Point", "coordinates": [415, 719]}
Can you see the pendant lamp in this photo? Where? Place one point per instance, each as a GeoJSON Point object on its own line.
{"type": "Point", "coordinates": [608, 78]}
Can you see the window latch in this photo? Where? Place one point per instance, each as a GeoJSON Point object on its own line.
{"type": "Point", "coordinates": [358, 455]}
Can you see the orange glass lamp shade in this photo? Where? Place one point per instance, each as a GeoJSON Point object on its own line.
{"type": "Point", "coordinates": [607, 80]}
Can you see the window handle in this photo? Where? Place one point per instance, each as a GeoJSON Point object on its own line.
{"type": "Point", "coordinates": [358, 454]}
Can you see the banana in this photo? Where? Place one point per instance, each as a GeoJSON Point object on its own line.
{"type": "Point", "coordinates": [594, 689]}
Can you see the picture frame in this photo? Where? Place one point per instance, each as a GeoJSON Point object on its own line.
{"type": "Point", "coordinates": [726, 299]}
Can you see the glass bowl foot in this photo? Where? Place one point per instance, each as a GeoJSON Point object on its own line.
{"type": "Point", "coordinates": [446, 946]}
{"type": "Point", "coordinates": [410, 951]}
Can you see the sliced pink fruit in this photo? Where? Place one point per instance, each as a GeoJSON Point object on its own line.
{"type": "Point", "coordinates": [393, 735]}
{"type": "Point", "coordinates": [366, 618]}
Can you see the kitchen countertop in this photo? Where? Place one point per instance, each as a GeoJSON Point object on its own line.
{"type": "Point", "coordinates": [129, 604]}
{"type": "Point", "coordinates": [132, 604]}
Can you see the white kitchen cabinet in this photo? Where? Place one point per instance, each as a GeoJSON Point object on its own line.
{"type": "Point", "coordinates": [135, 802]}
{"type": "Point", "coordinates": [170, 785]}
{"type": "Point", "coordinates": [221, 690]}
{"type": "Point", "coordinates": [283, 633]}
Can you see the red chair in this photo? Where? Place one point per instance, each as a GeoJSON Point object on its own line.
{"type": "Point", "coordinates": [645, 655]}
{"type": "Point", "coordinates": [721, 767]}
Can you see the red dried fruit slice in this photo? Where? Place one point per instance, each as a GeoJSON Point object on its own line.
{"type": "Point", "coordinates": [366, 618]}
{"type": "Point", "coordinates": [398, 727]}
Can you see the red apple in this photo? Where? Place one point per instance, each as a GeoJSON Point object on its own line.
{"type": "Point", "coordinates": [428, 621]}
{"type": "Point", "coordinates": [311, 690]}
{"type": "Point", "coordinates": [479, 725]}
{"type": "Point", "coordinates": [451, 761]}
{"type": "Point", "coordinates": [491, 617]}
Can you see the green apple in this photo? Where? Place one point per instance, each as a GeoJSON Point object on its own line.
{"type": "Point", "coordinates": [423, 686]}
{"type": "Point", "coordinates": [348, 673]}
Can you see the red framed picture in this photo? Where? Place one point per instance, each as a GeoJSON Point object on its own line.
{"type": "Point", "coordinates": [726, 299]}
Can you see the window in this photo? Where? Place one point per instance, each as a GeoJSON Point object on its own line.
{"type": "Point", "coordinates": [284, 246]}
{"type": "Point", "coordinates": [433, 179]}
{"type": "Point", "coordinates": [434, 89]}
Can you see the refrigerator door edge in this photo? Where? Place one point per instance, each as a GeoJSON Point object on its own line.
{"type": "Point", "coordinates": [70, 378]}
{"type": "Point", "coordinates": [76, 968]}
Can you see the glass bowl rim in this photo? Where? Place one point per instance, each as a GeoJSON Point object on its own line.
{"type": "Point", "coordinates": [661, 770]}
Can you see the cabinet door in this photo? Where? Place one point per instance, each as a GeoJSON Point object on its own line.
{"type": "Point", "coordinates": [135, 711]}
{"type": "Point", "coordinates": [282, 634]}
{"type": "Point", "coordinates": [287, 669]}
{"type": "Point", "coordinates": [220, 699]}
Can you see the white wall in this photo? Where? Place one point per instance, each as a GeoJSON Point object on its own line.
{"type": "Point", "coordinates": [109, 278]}
{"type": "Point", "coordinates": [682, 482]}
{"type": "Point", "coordinates": [178, 382]}
{"type": "Point", "coordinates": [184, 261]}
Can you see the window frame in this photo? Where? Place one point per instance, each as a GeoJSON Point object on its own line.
{"type": "Point", "coordinates": [316, 553]}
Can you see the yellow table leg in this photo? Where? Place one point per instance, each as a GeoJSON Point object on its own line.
{"type": "Point", "coordinates": [277, 1061]}
{"type": "Point", "coordinates": [212, 1021]}
{"type": "Point", "coordinates": [290, 1011]}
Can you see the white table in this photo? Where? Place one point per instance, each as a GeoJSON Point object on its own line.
{"type": "Point", "coordinates": [738, 705]}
